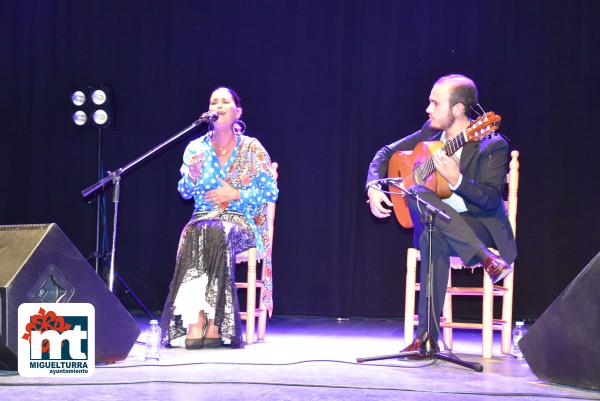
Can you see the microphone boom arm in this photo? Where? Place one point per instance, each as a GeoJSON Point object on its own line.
{"type": "Point", "coordinates": [110, 177]}
{"type": "Point", "coordinates": [397, 182]}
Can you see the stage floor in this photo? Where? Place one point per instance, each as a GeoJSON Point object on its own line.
{"type": "Point", "coordinates": [303, 358]}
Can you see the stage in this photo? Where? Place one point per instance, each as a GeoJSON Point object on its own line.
{"type": "Point", "coordinates": [303, 358]}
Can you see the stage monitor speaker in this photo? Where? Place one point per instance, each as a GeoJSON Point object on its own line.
{"type": "Point", "coordinates": [38, 263]}
{"type": "Point", "coordinates": [562, 345]}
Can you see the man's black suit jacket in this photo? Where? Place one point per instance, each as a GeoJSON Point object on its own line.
{"type": "Point", "coordinates": [483, 166]}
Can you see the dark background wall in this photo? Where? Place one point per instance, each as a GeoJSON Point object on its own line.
{"type": "Point", "coordinates": [324, 84]}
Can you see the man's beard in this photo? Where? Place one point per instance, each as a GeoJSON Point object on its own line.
{"type": "Point", "coordinates": [446, 123]}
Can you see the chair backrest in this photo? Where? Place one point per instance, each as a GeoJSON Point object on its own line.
{"type": "Point", "coordinates": [513, 190]}
{"type": "Point", "coordinates": [243, 256]}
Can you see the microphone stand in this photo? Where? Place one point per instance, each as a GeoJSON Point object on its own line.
{"type": "Point", "coordinates": [428, 346]}
{"type": "Point", "coordinates": [115, 177]}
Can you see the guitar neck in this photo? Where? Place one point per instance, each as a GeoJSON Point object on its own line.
{"type": "Point", "coordinates": [452, 146]}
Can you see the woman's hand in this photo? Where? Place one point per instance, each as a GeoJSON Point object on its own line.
{"type": "Point", "coordinates": [222, 194]}
{"type": "Point", "coordinates": [195, 166]}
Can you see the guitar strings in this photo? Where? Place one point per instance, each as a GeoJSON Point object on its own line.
{"type": "Point", "coordinates": [425, 169]}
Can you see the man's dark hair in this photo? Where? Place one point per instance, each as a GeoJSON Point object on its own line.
{"type": "Point", "coordinates": [464, 91]}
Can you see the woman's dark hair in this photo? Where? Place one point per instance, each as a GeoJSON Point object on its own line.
{"type": "Point", "coordinates": [234, 96]}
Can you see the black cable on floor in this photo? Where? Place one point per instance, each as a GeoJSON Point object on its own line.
{"type": "Point", "coordinates": [324, 386]}
{"type": "Point", "coordinates": [412, 365]}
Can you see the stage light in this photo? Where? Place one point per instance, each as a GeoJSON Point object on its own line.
{"type": "Point", "coordinates": [100, 117]}
{"type": "Point", "coordinates": [92, 107]}
{"type": "Point", "coordinates": [99, 97]}
{"type": "Point", "coordinates": [78, 98]}
{"type": "Point", "coordinates": [79, 118]}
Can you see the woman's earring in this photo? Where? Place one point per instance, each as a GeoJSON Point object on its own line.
{"type": "Point", "coordinates": [239, 126]}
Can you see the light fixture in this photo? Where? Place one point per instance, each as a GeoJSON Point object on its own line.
{"type": "Point", "coordinates": [78, 98]}
{"type": "Point", "coordinates": [79, 118]}
{"type": "Point", "coordinates": [92, 106]}
{"type": "Point", "coordinates": [100, 117]}
{"type": "Point", "coordinates": [99, 97]}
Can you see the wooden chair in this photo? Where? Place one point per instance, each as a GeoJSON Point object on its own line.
{"type": "Point", "coordinates": [252, 285]}
{"type": "Point", "coordinates": [488, 291]}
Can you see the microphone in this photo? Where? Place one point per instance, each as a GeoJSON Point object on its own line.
{"type": "Point", "coordinates": [209, 117]}
{"type": "Point", "coordinates": [397, 180]}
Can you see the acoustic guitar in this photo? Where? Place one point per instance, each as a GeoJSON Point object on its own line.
{"type": "Point", "coordinates": [416, 167]}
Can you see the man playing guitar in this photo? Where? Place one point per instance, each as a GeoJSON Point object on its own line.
{"type": "Point", "coordinates": [475, 174]}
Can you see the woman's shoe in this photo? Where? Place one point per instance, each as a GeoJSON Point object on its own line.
{"type": "Point", "coordinates": [194, 343]}
{"type": "Point", "coordinates": [212, 342]}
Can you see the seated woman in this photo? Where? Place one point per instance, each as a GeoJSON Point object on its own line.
{"type": "Point", "coordinates": [231, 179]}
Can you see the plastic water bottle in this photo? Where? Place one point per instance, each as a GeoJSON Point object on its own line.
{"type": "Point", "coordinates": [153, 336]}
{"type": "Point", "coordinates": [518, 333]}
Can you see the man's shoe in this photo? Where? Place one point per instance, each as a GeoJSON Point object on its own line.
{"type": "Point", "coordinates": [496, 267]}
{"type": "Point", "coordinates": [416, 345]}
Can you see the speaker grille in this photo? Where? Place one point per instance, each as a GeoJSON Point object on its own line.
{"type": "Point", "coordinates": [17, 244]}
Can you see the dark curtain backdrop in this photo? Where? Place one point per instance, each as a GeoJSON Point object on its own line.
{"type": "Point", "coordinates": [324, 84]}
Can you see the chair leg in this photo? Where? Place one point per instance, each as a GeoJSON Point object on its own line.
{"type": "Point", "coordinates": [507, 303]}
{"type": "Point", "coordinates": [262, 324]}
{"type": "Point", "coordinates": [487, 318]}
{"type": "Point", "coordinates": [262, 317]}
{"type": "Point", "coordinates": [409, 297]}
{"type": "Point", "coordinates": [447, 313]}
{"type": "Point", "coordinates": [251, 296]}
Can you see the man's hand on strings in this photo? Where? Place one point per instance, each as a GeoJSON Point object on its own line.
{"type": "Point", "coordinates": [376, 201]}
{"type": "Point", "coordinates": [446, 166]}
